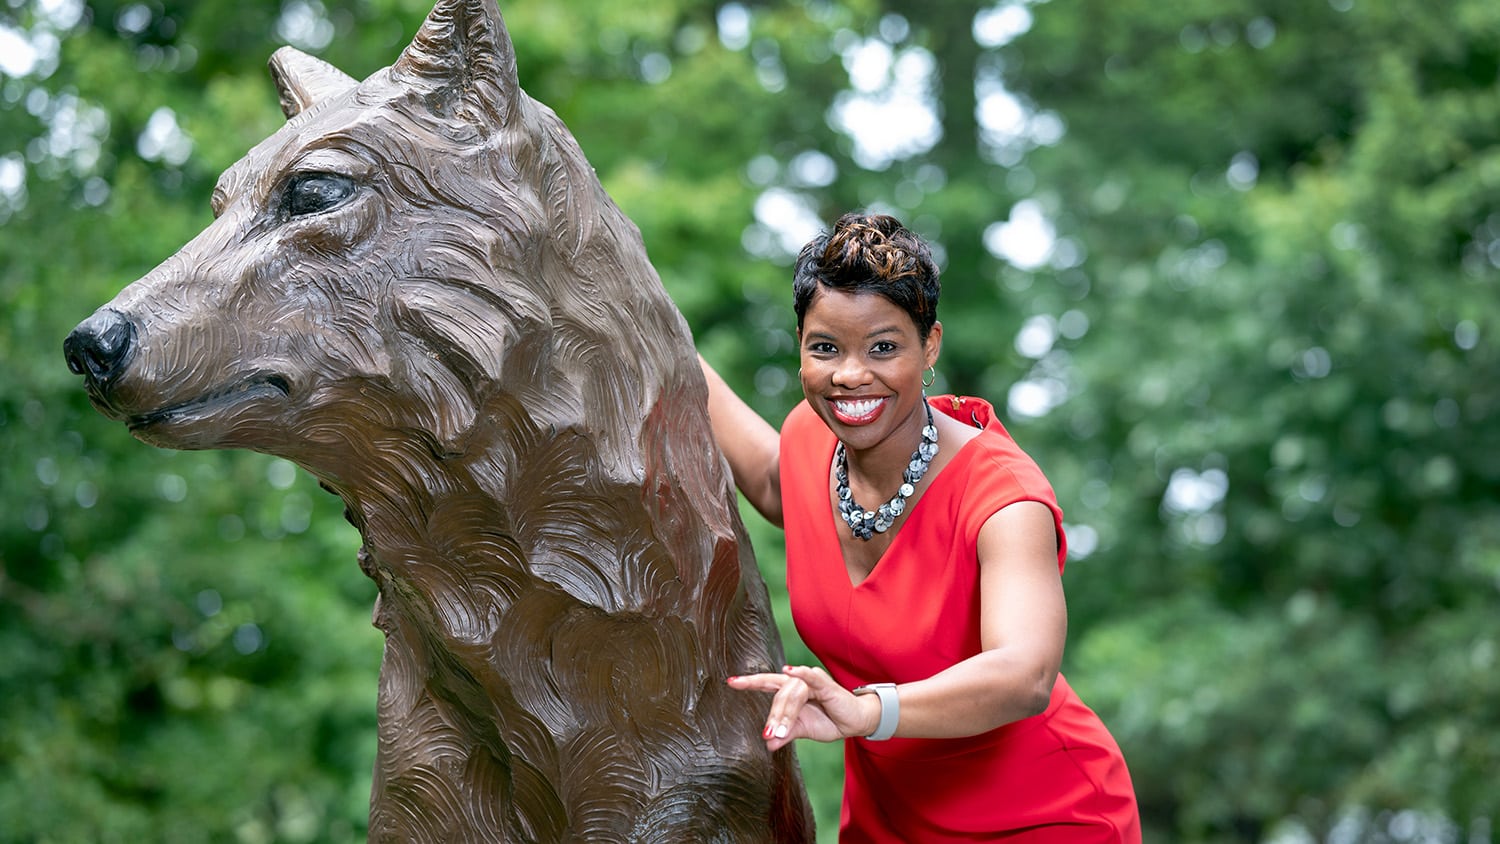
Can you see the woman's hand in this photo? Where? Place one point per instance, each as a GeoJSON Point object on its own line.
{"type": "Point", "coordinates": [808, 703]}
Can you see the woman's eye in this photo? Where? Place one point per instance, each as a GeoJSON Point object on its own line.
{"type": "Point", "coordinates": [314, 193]}
{"type": "Point", "coordinates": [884, 348]}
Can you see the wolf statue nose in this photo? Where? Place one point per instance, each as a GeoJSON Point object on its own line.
{"type": "Point", "coordinates": [99, 346]}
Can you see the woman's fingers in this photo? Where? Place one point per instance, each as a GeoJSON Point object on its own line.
{"type": "Point", "coordinates": [758, 682]}
{"type": "Point", "coordinates": [789, 695]}
{"type": "Point", "coordinates": [785, 708]}
{"type": "Point", "coordinates": [806, 702]}
{"type": "Point", "coordinates": [837, 704]}
{"type": "Point", "coordinates": [815, 678]}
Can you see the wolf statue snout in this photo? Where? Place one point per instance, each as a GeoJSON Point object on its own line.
{"type": "Point", "coordinates": [99, 348]}
{"type": "Point", "coordinates": [418, 291]}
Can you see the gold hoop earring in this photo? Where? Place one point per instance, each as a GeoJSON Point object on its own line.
{"type": "Point", "coordinates": [932, 376]}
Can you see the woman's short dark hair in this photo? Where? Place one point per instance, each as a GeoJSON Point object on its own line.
{"type": "Point", "coordinates": [870, 253]}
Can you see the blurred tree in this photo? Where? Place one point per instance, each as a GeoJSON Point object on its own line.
{"type": "Point", "coordinates": [1229, 268]}
{"type": "Point", "coordinates": [1282, 414]}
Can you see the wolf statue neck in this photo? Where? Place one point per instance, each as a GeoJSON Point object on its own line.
{"type": "Point", "coordinates": [487, 510]}
{"type": "Point", "coordinates": [512, 612]}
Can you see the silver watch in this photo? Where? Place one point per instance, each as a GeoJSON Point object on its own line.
{"type": "Point", "coordinates": [890, 708]}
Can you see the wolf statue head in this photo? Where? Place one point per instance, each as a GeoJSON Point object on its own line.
{"type": "Point", "coordinates": [418, 291]}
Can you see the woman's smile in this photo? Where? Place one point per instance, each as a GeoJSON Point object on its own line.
{"type": "Point", "coordinates": [858, 411]}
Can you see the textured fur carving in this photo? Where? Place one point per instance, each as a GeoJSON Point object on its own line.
{"type": "Point", "coordinates": [418, 291]}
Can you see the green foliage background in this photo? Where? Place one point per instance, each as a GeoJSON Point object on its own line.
{"type": "Point", "coordinates": [1258, 361]}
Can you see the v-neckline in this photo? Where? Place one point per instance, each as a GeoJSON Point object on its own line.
{"type": "Point", "coordinates": [832, 520]}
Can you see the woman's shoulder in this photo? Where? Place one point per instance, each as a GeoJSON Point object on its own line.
{"type": "Point", "coordinates": [801, 424]}
{"type": "Point", "coordinates": [803, 435]}
{"type": "Point", "coordinates": [994, 455]}
{"type": "Point", "coordinates": [800, 414]}
{"type": "Point", "coordinates": [998, 472]}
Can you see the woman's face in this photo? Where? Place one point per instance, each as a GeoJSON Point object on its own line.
{"type": "Point", "coordinates": [862, 365]}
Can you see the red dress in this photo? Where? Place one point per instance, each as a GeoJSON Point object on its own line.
{"type": "Point", "coordinates": [1054, 777]}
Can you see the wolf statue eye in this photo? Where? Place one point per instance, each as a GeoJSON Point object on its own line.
{"type": "Point", "coordinates": [314, 193]}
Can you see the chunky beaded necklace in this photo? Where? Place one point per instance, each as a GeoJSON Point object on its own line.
{"type": "Point", "coordinates": [866, 523]}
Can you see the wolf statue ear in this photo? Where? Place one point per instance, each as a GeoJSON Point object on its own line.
{"type": "Point", "coordinates": [303, 81]}
{"type": "Point", "coordinates": [463, 55]}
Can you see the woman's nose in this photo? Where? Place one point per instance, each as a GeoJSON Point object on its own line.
{"type": "Point", "coordinates": [851, 372]}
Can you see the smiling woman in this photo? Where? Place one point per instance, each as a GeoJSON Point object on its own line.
{"type": "Point", "coordinates": [961, 728]}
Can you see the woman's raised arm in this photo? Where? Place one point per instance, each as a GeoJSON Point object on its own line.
{"type": "Point", "coordinates": [751, 445]}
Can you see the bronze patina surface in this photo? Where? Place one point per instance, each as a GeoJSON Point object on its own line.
{"type": "Point", "coordinates": [418, 291]}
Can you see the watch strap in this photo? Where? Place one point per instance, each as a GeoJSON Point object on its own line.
{"type": "Point", "coordinates": [890, 708]}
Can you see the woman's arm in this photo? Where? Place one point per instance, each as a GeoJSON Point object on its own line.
{"type": "Point", "coordinates": [751, 445]}
{"type": "Point", "coordinates": [1023, 626]}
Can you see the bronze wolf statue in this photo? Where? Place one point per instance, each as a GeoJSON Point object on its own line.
{"type": "Point", "coordinates": [418, 291]}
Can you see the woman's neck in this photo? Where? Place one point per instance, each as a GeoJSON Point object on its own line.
{"type": "Point", "coordinates": [881, 467]}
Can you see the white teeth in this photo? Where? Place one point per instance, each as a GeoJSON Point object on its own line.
{"type": "Point", "coordinates": [856, 409]}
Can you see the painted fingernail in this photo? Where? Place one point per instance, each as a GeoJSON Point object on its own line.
{"type": "Point", "coordinates": [767, 733]}
{"type": "Point", "coordinates": [781, 731]}
{"type": "Point", "coordinates": [732, 678]}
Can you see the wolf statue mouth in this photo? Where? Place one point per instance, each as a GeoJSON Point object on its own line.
{"type": "Point", "coordinates": [252, 387]}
